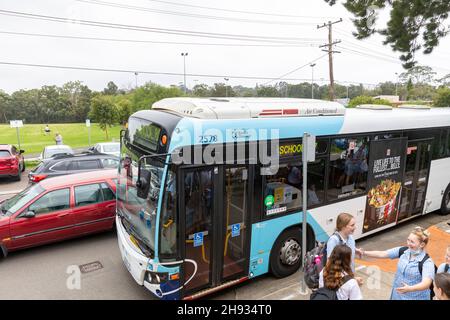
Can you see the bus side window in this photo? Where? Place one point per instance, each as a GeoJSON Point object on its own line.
{"type": "Point", "coordinates": [284, 188]}
{"type": "Point", "coordinates": [348, 167]}
{"type": "Point", "coordinates": [448, 142]}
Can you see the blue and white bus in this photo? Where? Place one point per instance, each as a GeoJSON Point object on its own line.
{"type": "Point", "coordinates": [210, 189]}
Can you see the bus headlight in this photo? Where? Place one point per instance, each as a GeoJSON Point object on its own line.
{"type": "Point", "coordinates": [156, 277]}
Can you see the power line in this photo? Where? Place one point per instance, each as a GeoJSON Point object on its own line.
{"type": "Point", "coordinates": [192, 15]}
{"type": "Point", "coordinates": [305, 44]}
{"type": "Point", "coordinates": [140, 72]}
{"type": "Point", "coordinates": [368, 55]}
{"type": "Point", "coordinates": [238, 11]}
{"type": "Point", "coordinates": [296, 69]}
{"type": "Point", "coordinates": [133, 72]}
{"type": "Point", "coordinates": [156, 30]}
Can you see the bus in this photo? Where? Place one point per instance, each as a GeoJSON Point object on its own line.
{"type": "Point", "coordinates": [210, 189]}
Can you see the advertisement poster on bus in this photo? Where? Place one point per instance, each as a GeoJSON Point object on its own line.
{"type": "Point", "coordinates": [385, 176]}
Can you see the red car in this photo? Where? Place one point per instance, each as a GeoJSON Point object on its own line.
{"type": "Point", "coordinates": [12, 163]}
{"type": "Point", "coordinates": [57, 209]}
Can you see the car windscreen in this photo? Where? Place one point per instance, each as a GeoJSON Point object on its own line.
{"type": "Point", "coordinates": [12, 205]}
{"type": "Point", "coordinates": [111, 148]}
{"type": "Point", "coordinates": [4, 154]}
{"type": "Point", "coordinates": [51, 152]}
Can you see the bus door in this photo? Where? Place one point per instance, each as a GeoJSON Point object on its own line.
{"type": "Point", "coordinates": [418, 159]}
{"type": "Point", "coordinates": [216, 220]}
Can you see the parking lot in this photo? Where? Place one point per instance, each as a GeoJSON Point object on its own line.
{"type": "Point", "coordinates": [47, 272]}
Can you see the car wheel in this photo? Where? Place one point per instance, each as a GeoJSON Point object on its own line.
{"type": "Point", "coordinates": [445, 206]}
{"type": "Point", "coordinates": [19, 176]}
{"type": "Point", "coordinates": [23, 166]}
{"type": "Point", "coordinates": [286, 254]}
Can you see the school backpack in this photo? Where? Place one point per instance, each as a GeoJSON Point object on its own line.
{"type": "Point", "coordinates": [420, 266]}
{"type": "Point", "coordinates": [314, 262]}
{"type": "Point", "coordinates": [447, 266]}
{"type": "Point", "coordinates": [328, 294]}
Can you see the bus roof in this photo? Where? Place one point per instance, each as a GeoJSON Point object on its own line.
{"type": "Point", "coordinates": [246, 108]}
{"type": "Point", "coordinates": [366, 120]}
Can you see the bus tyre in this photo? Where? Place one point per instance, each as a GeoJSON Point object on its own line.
{"type": "Point", "coordinates": [445, 207]}
{"type": "Point", "coordinates": [286, 254]}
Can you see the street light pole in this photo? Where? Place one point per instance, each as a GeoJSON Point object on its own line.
{"type": "Point", "coordinates": [184, 55]}
{"type": "Point", "coordinates": [312, 79]}
{"type": "Point", "coordinates": [226, 86]}
{"type": "Point", "coordinates": [396, 82]}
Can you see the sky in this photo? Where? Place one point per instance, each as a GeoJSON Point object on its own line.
{"type": "Point", "coordinates": [149, 37]}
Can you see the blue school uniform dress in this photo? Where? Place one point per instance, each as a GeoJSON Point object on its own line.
{"type": "Point", "coordinates": [336, 239]}
{"type": "Point", "coordinates": [408, 272]}
{"type": "Point", "coordinates": [441, 268]}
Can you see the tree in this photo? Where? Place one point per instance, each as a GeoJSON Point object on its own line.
{"type": "Point", "coordinates": [267, 91]}
{"type": "Point", "coordinates": [201, 90]}
{"type": "Point", "coordinates": [387, 88]}
{"type": "Point", "coordinates": [144, 96]}
{"type": "Point", "coordinates": [111, 89]}
{"type": "Point", "coordinates": [366, 100]}
{"type": "Point", "coordinates": [4, 106]}
{"type": "Point", "coordinates": [222, 90]}
{"type": "Point", "coordinates": [124, 108]}
{"type": "Point", "coordinates": [418, 75]}
{"type": "Point", "coordinates": [413, 25]}
{"type": "Point", "coordinates": [103, 111]}
{"type": "Point", "coordinates": [442, 98]}
{"type": "Point", "coordinates": [78, 99]}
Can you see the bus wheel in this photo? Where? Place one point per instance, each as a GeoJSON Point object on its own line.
{"type": "Point", "coordinates": [286, 255]}
{"type": "Point", "coordinates": [445, 207]}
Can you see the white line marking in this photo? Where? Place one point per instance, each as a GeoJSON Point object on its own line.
{"type": "Point", "coordinates": [360, 268]}
{"type": "Point", "coordinates": [289, 297]}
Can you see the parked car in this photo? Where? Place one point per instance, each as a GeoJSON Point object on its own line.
{"type": "Point", "coordinates": [12, 163]}
{"type": "Point", "coordinates": [57, 209]}
{"type": "Point", "coordinates": [51, 151]}
{"type": "Point", "coordinates": [68, 164]}
{"type": "Point", "coordinates": [112, 148]}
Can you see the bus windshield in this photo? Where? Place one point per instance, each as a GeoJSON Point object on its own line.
{"type": "Point", "coordinates": [138, 214]}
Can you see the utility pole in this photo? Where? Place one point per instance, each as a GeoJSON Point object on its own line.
{"type": "Point", "coordinates": [330, 53]}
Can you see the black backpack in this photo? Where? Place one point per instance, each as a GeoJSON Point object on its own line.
{"type": "Point", "coordinates": [327, 294]}
{"type": "Point", "coordinates": [420, 266]}
{"type": "Point", "coordinates": [447, 266]}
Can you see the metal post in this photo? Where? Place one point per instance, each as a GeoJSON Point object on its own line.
{"type": "Point", "coordinates": [18, 137]}
{"type": "Point", "coordinates": [226, 87]}
{"type": "Point", "coordinates": [312, 79]}
{"type": "Point", "coordinates": [184, 54]}
{"type": "Point", "coordinates": [89, 130]}
{"type": "Point", "coordinates": [304, 207]}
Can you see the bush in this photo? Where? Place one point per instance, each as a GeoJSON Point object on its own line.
{"type": "Point", "coordinates": [367, 100]}
{"type": "Point", "coordinates": [442, 98]}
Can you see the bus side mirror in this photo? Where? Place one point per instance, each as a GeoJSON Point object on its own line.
{"type": "Point", "coordinates": [143, 183]}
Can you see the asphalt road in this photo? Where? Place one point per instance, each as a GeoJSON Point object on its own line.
{"type": "Point", "coordinates": [50, 272]}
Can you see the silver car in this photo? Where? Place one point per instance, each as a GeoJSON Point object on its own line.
{"type": "Point", "coordinates": [50, 151]}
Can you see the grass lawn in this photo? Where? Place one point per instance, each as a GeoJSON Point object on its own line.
{"type": "Point", "coordinates": [33, 139]}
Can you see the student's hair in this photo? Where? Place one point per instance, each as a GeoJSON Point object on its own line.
{"type": "Point", "coordinates": [338, 263]}
{"type": "Point", "coordinates": [343, 220]}
{"type": "Point", "coordinates": [422, 234]}
{"type": "Point", "coordinates": [442, 281]}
